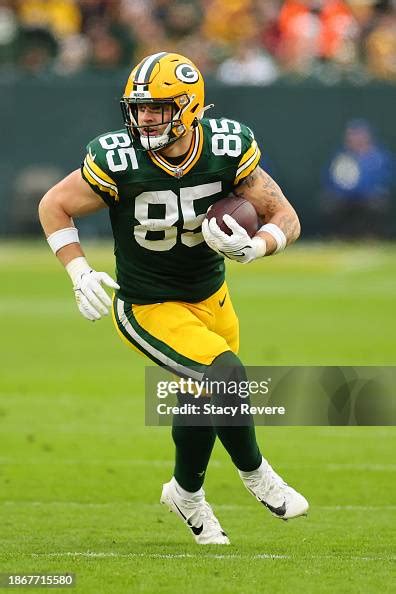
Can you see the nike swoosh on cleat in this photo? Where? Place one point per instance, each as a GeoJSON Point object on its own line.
{"type": "Point", "coordinates": [221, 303]}
{"type": "Point", "coordinates": [197, 530]}
{"type": "Point", "coordinates": [279, 511]}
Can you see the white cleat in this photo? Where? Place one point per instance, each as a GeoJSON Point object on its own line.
{"type": "Point", "coordinates": [196, 513]}
{"type": "Point", "coordinates": [270, 489]}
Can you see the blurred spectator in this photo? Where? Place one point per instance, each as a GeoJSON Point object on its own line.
{"type": "Point", "coordinates": [248, 66]}
{"type": "Point", "coordinates": [98, 10]}
{"type": "Point", "coordinates": [313, 30]}
{"type": "Point", "coordinates": [37, 50]}
{"type": "Point", "coordinates": [227, 21]}
{"type": "Point", "coordinates": [328, 40]}
{"type": "Point", "coordinates": [138, 16]}
{"type": "Point", "coordinates": [381, 48]}
{"type": "Point", "coordinates": [357, 183]}
{"type": "Point", "coordinates": [178, 17]}
{"type": "Point", "coordinates": [60, 17]}
{"type": "Point", "coordinates": [267, 17]}
{"type": "Point", "coordinates": [112, 46]}
{"type": "Point", "coordinates": [9, 32]}
{"type": "Point", "coordinates": [73, 56]}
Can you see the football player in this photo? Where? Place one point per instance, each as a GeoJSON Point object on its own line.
{"type": "Point", "coordinates": [158, 176]}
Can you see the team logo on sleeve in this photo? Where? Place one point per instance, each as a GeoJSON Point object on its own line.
{"type": "Point", "coordinates": [186, 73]}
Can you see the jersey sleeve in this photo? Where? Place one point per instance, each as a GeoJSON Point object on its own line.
{"type": "Point", "coordinates": [250, 155]}
{"type": "Point", "coordinates": [95, 172]}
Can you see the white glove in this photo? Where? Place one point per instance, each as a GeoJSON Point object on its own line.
{"type": "Point", "coordinates": [92, 299]}
{"type": "Point", "coordinates": [238, 246]}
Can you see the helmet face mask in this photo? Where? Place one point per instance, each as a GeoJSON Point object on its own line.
{"type": "Point", "coordinates": [161, 80]}
{"type": "Point", "coordinates": [170, 118]}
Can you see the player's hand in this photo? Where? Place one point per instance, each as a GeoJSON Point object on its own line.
{"type": "Point", "coordinates": [92, 300]}
{"type": "Point", "coordinates": [238, 246]}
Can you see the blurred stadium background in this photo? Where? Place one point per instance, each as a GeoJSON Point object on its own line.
{"type": "Point", "coordinates": [80, 474]}
{"type": "Point", "coordinates": [295, 71]}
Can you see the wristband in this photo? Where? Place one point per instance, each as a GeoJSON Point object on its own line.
{"type": "Point", "coordinates": [76, 267]}
{"type": "Point", "coordinates": [277, 234]}
{"type": "Point", "coordinates": [59, 239]}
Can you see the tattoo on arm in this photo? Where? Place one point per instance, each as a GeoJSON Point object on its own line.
{"type": "Point", "coordinates": [290, 226]}
{"type": "Point", "coordinates": [271, 196]}
{"type": "Point", "coordinates": [268, 199]}
{"type": "Point", "coordinates": [247, 182]}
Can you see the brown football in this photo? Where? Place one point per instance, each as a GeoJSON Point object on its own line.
{"type": "Point", "coordinates": [239, 209]}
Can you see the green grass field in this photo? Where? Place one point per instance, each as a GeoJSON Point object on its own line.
{"type": "Point", "coordinates": [81, 476]}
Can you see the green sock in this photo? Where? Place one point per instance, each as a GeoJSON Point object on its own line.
{"type": "Point", "coordinates": [193, 449]}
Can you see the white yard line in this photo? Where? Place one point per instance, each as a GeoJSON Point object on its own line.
{"type": "Point", "coordinates": [90, 554]}
{"type": "Point", "coordinates": [203, 555]}
{"type": "Point", "coordinates": [220, 506]}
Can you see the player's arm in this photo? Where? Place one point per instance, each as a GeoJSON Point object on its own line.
{"type": "Point", "coordinates": [73, 197]}
{"type": "Point", "coordinates": [281, 226]}
{"type": "Point", "coordinates": [270, 203]}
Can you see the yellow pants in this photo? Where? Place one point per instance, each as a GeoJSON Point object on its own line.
{"type": "Point", "coordinates": [178, 335]}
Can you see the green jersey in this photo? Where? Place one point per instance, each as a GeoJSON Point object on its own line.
{"type": "Point", "coordinates": [156, 208]}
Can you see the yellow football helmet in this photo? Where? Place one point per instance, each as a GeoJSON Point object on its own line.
{"type": "Point", "coordinates": [164, 78]}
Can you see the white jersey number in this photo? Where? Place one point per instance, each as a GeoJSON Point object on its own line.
{"type": "Point", "coordinates": [191, 221]}
{"type": "Point", "coordinates": [119, 153]}
{"type": "Point", "coordinates": [225, 140]}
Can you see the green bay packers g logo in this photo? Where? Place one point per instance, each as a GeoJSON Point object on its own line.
{"type": "Point", "coordinates": [186, 73]}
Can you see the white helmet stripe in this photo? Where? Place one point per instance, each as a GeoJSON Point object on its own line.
{"type": "Point", "coordinates": [142, 72]}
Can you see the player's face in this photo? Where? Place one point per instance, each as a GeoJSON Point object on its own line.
{"type": "Point", "coordinates": [156, 116]}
